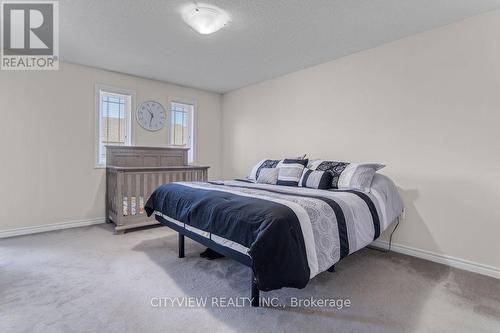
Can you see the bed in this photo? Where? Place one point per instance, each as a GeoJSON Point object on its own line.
{"type": "Point", "coordinates": [287, 235]}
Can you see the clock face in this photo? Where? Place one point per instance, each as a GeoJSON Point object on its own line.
{"type": "Point", "coordinates": [151, 116]}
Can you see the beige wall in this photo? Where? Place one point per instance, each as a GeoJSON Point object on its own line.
{"type": "Point", "coordinates": [428, 106]}
{"type": "Point", "coordinates": [47, 172]}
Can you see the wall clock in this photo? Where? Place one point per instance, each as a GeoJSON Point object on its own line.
{"type": "Point", "coordinates": [151, 116]}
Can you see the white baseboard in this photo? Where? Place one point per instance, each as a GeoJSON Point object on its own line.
{"type": "Point", "coordinates": [50, 227]}
{"type": "Point", "coordinates": [441, 259]}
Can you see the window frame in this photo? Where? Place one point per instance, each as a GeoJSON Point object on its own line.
{"type": "Point", "coordinates": [128, 118]}
{"type": "Point", "coordinates": [194, 125]}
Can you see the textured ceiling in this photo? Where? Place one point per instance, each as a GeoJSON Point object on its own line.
{"type": "Point", "coordinates": [265, 39]}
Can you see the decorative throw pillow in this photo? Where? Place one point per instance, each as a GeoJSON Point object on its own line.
{"type": "Point", "coordinates": [356, 176]}
{"type": "Point", "coordinates": [333, 167]}
{"type": "Point", "coordinates": [321, 180]}
{"type": "Point", "coordinates": [269, 163]}
{"type": "Point", "coordinates": [268, 176]}
{"type": "Point", "coordinates": [290, 171]}
{"type": "Point", "coordinates": [266, 163]}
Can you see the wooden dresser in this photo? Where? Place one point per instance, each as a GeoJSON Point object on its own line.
{"type": "Point", "coordinates": [133, 173]}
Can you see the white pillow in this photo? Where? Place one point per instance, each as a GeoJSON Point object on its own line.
{"type": "Point", "coordinates": [358, 176]}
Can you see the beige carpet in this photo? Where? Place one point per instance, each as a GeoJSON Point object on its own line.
{"type": "Point", "coordinates": [89, 280]}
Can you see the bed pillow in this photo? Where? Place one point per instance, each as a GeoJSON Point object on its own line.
{"type": "Point", "coordinates": [333, 167]}
{"type": "Point", "coordinates": [359, 176]}
{"type": "Point", "coordinates": [321, 180]}
{"type": "Point", "coordinates": [268, 176]}
{"type": "Point", "coordinates": [269, 163]}
{"type": "Point", "coordinates": [266, 163]}
{"type": "Point", "coordinates": [356, 176]}
{"type": "Point", "coordinates": [290, 171]}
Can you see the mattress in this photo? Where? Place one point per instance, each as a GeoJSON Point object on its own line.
{"type": "Point", "coordinates": [291, 233]}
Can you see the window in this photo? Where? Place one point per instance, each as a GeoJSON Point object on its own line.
{"type": "Point", "coordinates": [181, 126]}
{"type": "Point", "coordinates": [113, 120]}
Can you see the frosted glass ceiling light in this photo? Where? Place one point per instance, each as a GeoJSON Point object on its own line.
{"type": "Point", "coordinates": [205, 19]}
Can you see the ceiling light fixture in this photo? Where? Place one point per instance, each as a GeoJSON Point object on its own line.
{"type": "Point", "coordinates": [205, 19]}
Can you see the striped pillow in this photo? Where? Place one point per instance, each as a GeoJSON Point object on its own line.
{"type": "Point", "coordinates": [290, 171]}
{"type": "Point", "coordinates": [321, 180]}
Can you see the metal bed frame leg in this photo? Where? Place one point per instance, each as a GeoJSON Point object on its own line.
{"type": "Point", "coordinates": [181, 245]}
{"type": "Point", "coordinates": [255, 297]}
{"type": "Point", "coordinates": [255, 292]}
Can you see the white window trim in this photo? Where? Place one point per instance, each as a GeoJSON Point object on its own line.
{"type": "Point", "coordinates": [130, 127]}
{"type": "Point", "coordinates": [194, 133]}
